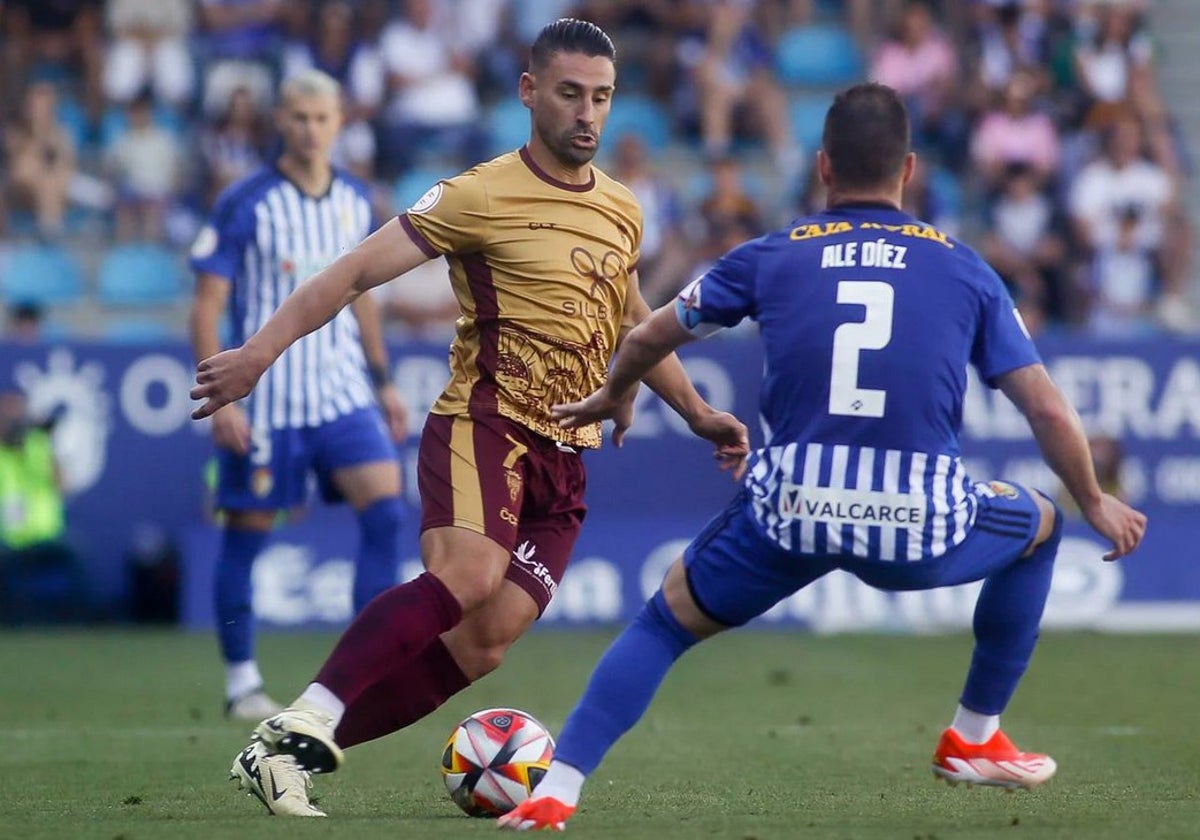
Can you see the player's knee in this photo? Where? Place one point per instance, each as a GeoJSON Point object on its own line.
{"type": "Point", "coordinates": [677, 597]}
{"type": "Point", "coordinates": [380, 520]}
{"type": "Point", "coordinates": [472, 583]}
{"type": "Point", "coordinates": [470, 565]}
{"type": "Point", "coordinates": [1049, 523]}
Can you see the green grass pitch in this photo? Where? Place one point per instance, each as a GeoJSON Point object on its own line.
{"type": "Point", "coordinates": [754, 736]}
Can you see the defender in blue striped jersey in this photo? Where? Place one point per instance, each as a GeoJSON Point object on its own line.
{"type": "Point", "coordinates": [868, 319]}
{"type": "Point", "coordinates": [318, 408]}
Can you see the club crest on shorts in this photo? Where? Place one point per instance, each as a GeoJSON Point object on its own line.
{"type": "Point", "coordinates": [513, 479]}
{"type": "Point", "coordinates": [262, 482]}
{"type": "Point", "coordinates": [1004, 490]}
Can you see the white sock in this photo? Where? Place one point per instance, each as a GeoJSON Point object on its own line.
{"type": "Point", "coordinates": [241, 678]}
{"type": "Point", "coordinates": [325, 700]}
{"type": "Point", "coordinates": [974, 727]}
{"type": "Point", "coordinates": [563, 782]}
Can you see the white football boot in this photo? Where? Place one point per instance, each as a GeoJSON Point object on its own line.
{"type": "Point", "coordinates": [305, 732]}
{"type": "Point", "coordinates": [274, 780]}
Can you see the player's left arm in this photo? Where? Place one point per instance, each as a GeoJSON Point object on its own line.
{"type": "Point", "coordinates": [370, 331]}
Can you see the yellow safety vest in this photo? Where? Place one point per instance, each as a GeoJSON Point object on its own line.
{"type": "Point", "coordinates": [31, 505]}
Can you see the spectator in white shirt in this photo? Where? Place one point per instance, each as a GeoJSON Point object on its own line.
{"type": "Point", "coordinates": [432, 100]}
{"type": "Point", "coordinates": [147, 166]}
{"type": "Point", "coordinates": [149, 47]}
{"type": "Point", "coordinates": [1119, 179]}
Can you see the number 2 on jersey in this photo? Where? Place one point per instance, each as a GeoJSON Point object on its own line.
{"type": "Point", "coordinates": [873, 333]}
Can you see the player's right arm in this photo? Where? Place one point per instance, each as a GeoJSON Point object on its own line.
{"type": "Point", "coordinates": [1061, 439]}
{"type": "Point", "coordinates": [229, 376]}
{"type": "Point", "coordinates": [231, 427]}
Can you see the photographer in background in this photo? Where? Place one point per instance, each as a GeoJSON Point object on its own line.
{"type": "Point", "coordinates": [40, 577]}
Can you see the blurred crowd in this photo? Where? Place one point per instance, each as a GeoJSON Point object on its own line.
{"type": "Point", "coordinates": [1044, 137]}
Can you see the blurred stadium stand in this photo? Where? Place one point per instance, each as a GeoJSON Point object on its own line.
{"type": "Point", "coordinates": [1092, 61]}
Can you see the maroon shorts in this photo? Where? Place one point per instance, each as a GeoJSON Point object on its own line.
{"type": "Point", "coordinates": [498, 478]}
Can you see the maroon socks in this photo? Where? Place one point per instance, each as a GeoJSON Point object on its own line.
{"type": "Point", "coordinates": [403, 696]}
{"type": "Point", "coordinates": [389, 633]}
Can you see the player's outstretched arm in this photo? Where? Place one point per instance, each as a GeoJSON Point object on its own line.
{"type": "Point", "coordinates": [668, 379]}
{"type": "Point", "coordinates": [1060, 436]}
{"type": "Point", "coordinates": [643, 350]}
{"type": "Point", "coordinates": [229, 376]}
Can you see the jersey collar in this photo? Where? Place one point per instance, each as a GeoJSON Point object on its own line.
{"type": "Point", "coordinates": [333, 175]}
{"type": "Point", "coordinates": [865, 205]}
{"type": "Point", "coordinates": [552, 181]}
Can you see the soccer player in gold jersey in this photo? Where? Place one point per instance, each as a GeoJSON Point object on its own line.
{"type": "Point", "coordinates": [543, 250]}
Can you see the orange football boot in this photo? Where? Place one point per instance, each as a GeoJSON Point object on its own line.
{"type": "Point", "coordinates": [541, 813]}
{"type": "Point", "coordinates": [995, 762]}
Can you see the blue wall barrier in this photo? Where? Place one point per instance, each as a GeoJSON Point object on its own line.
{"type": "Point", "coordinates": [133, 459]}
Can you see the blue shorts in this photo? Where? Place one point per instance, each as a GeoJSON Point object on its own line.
{"type": "Point", "coordinates": [274, 475]}
{"type": "Point", "coordinates": [735, 574]}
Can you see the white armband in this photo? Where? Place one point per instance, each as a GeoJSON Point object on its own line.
{"type": "Point", "coordinates": [687, 310]}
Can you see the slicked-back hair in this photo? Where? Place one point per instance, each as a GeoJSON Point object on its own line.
{"type": "Point", "coordinates": [866, 136]}
{"type": "Point", "coordinates": [571, 36]}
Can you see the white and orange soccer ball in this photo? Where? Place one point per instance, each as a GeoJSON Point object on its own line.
{"type": "Point", "coordinates": [494, 759]}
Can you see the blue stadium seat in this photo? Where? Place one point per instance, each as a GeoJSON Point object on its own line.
{"type": "Point", "coordinates": [43, 274]}
{"type": "Point", "coordinates": [818, 55]}
{"type": "Point", "coordinates": [508, 125]}
{"type": "Point", "coordinates": [73, 119]}
{"type": "Point", "coordinates": [137, 331]}
{"type": "Point", "coordinates": [806, 115]}
{"type": "Point", "coordinates": [641, 115]}
{"type": "Point", "coordinates": [415, 183]}
{"type": "Point", "coordinates": [139, 274]}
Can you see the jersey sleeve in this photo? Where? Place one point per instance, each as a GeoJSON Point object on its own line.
{"type": "Point", "coordinates": [723, 295]}
{"type": "Point", "coordinates": [221, 243]}
{"type": "Point", "coordinates": [1002, 341]}
{"type": "Point", "coordinates": [451, 218]}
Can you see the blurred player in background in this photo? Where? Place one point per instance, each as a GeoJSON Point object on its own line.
{"type": "Point", "coordinates": [869, 319]}
{"type": "Point", "coordinates": [543, 249]}
{"type": "Point", "coordinates": [318, 408]}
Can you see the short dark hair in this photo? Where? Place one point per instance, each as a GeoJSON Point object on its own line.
{"type": "Point", "coordinates": [866, 136]}
{"type": "Point", "coordinates": [572, 36]}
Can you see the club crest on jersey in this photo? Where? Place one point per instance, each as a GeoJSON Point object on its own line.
{"type": "Point", "coordinates": [1004, 489]}
{"type": "Point", "coordinates": [426, 202]}
{"type": "Point", "coordinates": [206, 243]}
{"type": "Point", "coordinates": [302, 267]}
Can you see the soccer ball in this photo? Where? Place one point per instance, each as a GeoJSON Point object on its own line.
{"type": "Point", "coordinates": [494, 759]}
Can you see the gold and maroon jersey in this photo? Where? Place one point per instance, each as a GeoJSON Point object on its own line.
{"type": "Point", "coordinates": [540, 269]}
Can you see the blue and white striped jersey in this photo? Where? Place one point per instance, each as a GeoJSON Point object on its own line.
{"type": "Point", "coordinates": [868, 320]}
{"type": "Point", "coordinates": [266, 236]}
